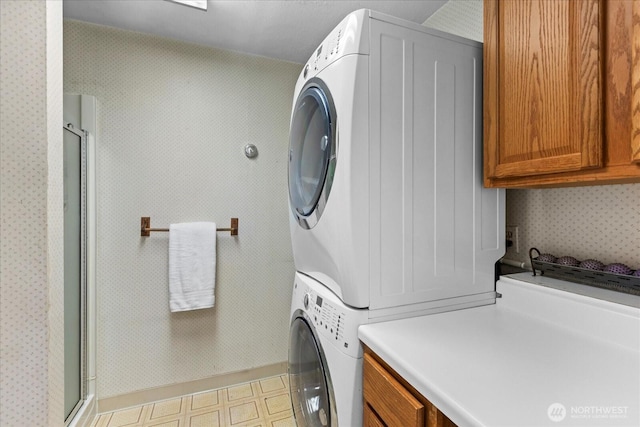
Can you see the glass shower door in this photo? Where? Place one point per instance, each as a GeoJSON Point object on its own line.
{"type": "Point", "coordinates": [74, 268]}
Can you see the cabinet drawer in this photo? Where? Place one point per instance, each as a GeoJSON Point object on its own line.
{"type": "Point", "coordinates": [394, 404]}
{"type": "Point", "coordinates": [371, 419]}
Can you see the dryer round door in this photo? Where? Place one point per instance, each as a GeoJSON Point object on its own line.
{"type": "Point", "coordinates": [309, 381]}
{"type": "Point", "coordinates": [312, 152]}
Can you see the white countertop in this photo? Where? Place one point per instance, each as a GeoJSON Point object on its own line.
{"type": "Point", "coordinates": [506, 364]}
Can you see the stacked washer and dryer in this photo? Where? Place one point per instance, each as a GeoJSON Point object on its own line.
{"type": "Point", "coordinates": [389, 218]}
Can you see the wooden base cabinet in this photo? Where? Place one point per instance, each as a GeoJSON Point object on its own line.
{"type": "Point", "coordinates": [561, 93]}
{"type": "Point", "coordinates": [389, 401]}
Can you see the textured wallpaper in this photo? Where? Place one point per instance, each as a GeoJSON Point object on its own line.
{"type": "Point", "coordinates": [601, 222]}
{"type": "Point", "coordinates": [173, 119]}
{"type": "Point", "coordinates": [31, 247]}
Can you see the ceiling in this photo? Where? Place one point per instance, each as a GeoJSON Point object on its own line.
{"type": "Point", "coordinates": [284, 29]}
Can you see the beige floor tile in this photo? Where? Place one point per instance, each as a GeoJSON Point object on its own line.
{"type": "Point", "coordinates": [255, 423]}
{"type": "Point", "coordinates": [172, 423]}
{"type": "Point", "coordinates": [259, 423]}
{"type": "Point", "coordinates": [272, 384]}
{"type": "Point", "coordinates": [285, 380]}
{"type": "Point", "coordinates": [277, 404]}
{"type": "Point", "coordinates": [126, 417]}
{"type": "Point", "coordinates": [102, 420]}
{"type": "Point", "coordinates": [214, 418]}
{"type": "Point", "coordinates": [245, 412]}
{"type": "Point", "coordinates": [167, 408]}
{"type": "Point", "coordinates": [282, 422]}
{"type": "Point", "coordinates": [240, 392]}
{"type": "Point", "coordinates": [206, 399]}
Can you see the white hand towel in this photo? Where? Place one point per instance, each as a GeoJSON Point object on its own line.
{"type": "Point", "coordinates": [192, 265]}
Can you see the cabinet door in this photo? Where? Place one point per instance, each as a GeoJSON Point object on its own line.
{"type": "Point", "coordinates": [635, 134]}
{"type": "Point", "coordinates": [393, 404]}
{"type": "Point", "coordinates": [543, 87]}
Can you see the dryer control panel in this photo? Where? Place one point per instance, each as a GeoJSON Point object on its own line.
{"type": "Point", "coordinates": [346, 39]}
{"type": "Point", "coordinates": [332, 319]}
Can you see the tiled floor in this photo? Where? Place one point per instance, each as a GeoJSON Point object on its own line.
{"type": "Point", "coordinates": [263, 403]}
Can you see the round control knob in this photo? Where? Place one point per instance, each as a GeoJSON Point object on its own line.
{"type": "Point", "coordinates": [305, 300]}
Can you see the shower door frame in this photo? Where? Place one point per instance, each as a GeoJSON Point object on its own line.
{"type": "Point", "coordinates": [83, 135]}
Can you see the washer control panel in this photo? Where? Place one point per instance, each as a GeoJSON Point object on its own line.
{"type": "Point", "coordinates": [328, 319]}
{"type": "Point", "coordinates": [331, 318]}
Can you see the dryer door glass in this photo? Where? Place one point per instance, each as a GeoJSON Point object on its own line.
{"type": "Point", "coordinates": [308, 381]}
{"type": "Point", "coordinates": [311, 153]}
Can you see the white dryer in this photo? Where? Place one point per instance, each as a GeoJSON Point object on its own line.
{"type": "Point", "coordinates": [325, 357]}
{"type": "Point", "coordinates": [386, 197]}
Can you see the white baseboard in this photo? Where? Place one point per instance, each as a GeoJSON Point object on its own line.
{"type": "Point", "coordinates": [142, 397]}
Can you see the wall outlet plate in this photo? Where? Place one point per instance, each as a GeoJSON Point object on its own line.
{"type": "Point", "coordinates": [512, 234]}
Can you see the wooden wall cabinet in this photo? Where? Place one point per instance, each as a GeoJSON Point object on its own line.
{"type": "Point", "coordinates": [561, 92]}
{"type": "Point", "coordinates": [389, 401]}
{"type": "Point", "coordinates": [635, 82]}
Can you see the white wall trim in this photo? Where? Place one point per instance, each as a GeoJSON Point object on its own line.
{"type": "Point", "coordinates": [171, 391]}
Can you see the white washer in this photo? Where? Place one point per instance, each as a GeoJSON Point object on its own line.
{"type": "Point", "coordinates": [385, 167]}
{"type": "Point", "coordinates": [325, 357]}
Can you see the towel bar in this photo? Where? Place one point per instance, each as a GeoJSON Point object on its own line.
{"type": "Point", "coordinates": [145, 227]}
